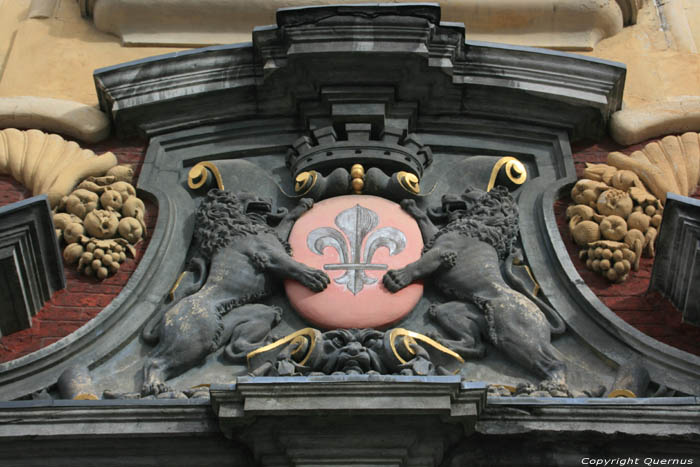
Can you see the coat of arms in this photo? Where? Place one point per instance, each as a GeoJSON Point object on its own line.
{"type": "Point", "coordinates": [355, 239]}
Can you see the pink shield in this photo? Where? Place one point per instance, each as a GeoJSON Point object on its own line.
{"type": "Point", "coordinates": [355, 239]}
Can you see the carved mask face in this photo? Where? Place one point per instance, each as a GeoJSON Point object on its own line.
{"type": "Point", "coordinates": [352, 351]}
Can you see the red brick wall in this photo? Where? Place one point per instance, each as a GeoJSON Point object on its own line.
{"type": "Point", "coordinates": [83, 298]}
{"type": "Point", "coordinates": [649, 312]}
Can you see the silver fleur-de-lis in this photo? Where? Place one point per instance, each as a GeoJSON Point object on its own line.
{"type": "Point", "coordinates": [356, 222]}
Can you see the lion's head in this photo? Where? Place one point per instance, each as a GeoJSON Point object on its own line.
{"type": "Point", "coordinates": [491, 217]}
{"type": "Point", "coordinates": [222, 216]}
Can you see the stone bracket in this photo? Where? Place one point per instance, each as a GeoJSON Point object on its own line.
{"type": "Point", "coordinates": [676, 272]}
{"type": "Point", "coordinates": [31, 269]}
{"type": "Point", "coordinates": [355, 420]}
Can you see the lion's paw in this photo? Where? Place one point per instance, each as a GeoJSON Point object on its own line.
{"type": "Point", "coordinates": [306, 203]}
{"type": "Point", "coordinates": [155, 389]}
{"type": "Point", "coordinates": [396, 279]}
{"type": "Point", "coordinates": [449, 259]}
{"type": "Point", "coordinates": [410, 206]}
{"type": "Point", "coordinates": [433, 311]}
{"type": "Point", "coordinates": [314, 279]}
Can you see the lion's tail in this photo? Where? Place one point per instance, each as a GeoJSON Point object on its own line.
{"type": "Point", "coordinates": [556, 323]}
{"type": "Point", "coordinates": [150, 332]}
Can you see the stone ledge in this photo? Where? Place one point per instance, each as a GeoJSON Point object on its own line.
{"type": "Point", "coordinates": [637, 417]}
{"type": "Point", "coordinates": [55, 418]}
{"type": "Point", "coordinates": [348, 420]}
{"type": "Point", "coordinates": [314, 395]}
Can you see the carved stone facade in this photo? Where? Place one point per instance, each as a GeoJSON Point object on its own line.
{"type": "Point", "coordinates": [216, 336]}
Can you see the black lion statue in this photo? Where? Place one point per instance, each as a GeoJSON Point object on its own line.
{"type": "Point", "coordinates": [243, 255]}
{"type": "Point", "coordinates": [464, 258]}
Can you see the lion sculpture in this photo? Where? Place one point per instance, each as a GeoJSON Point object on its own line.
{"type": "Point", "coordinates": [464, 258]}
{"type": "Point", "coordinates": [243, 255]}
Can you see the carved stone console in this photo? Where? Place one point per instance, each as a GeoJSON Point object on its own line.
{"type": "Point", "coordinates": [348, 420]}
{"type": "Point", "coordinates": [30, 263]}
{"type": "Point", "coordinates": [676, 272]}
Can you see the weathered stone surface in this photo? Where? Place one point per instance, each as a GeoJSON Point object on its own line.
{"type": "Point", "coordinates": [30, 262]}
{"type": "Point", "coordinates": [346, 420]}
{"type": "Point", "coordinates": [74, 119]}
{"type": "Point", "coordinates": [631, 126]}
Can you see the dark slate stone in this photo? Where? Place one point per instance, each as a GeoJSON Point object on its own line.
{"type": "Point", "coordinates": [404, 47]}
{"type": "Point", "coordinates": [676, 272]}
{"type": "Point", "coordinates": [31, 269]}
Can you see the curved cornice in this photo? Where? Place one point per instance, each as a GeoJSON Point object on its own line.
{"type": "Point", "coordinates": [391, 46]}
{"type": "Point", "coordinates": [559, 24]}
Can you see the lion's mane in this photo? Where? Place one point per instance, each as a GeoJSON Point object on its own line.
{"type": "Point", "coordinates": [220, 218]}
{"type": "Point", "coordinates": [491, 217]}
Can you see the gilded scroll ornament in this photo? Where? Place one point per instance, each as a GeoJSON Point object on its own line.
{"type": "Point", "coordinates": [514, 170]}
{"type": "Point", "coordinates": [353, 351]}
{"type": "Point", "coordinates": [198, 175]}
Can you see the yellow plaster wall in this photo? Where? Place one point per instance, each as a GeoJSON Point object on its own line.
{"type": "Point", "coordinates": [657, 67]}
{"type": "Point", "coordinates": [55, 57]}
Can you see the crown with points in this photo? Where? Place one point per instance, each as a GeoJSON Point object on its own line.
{"type": "Point", "coordinates": [392, 150]}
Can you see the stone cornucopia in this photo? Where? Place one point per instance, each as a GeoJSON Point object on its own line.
{"type": "Point", "coordinates": [615, 220]}
{"type": "Point", "coordinates": [100, 221]}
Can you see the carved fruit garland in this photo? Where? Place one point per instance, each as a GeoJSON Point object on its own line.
{"type": "Point", "coordinates": [614, 221]}
{"type": "Point", "coordinates": [101, 221]}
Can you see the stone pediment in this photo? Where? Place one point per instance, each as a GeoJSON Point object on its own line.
{"type": "Point", "coordinates": [280, 69]}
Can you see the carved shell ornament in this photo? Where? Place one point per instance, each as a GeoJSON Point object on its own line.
{"type": "Point", "coordinates": [671, 164]}
{"type": "Point", "coordinates": [47, 163]}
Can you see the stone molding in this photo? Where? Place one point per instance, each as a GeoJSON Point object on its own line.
{"type": "Point", "coordinates": [676, 272]}
{"type": "Point", "coordinates": [96, 418]}
{"type": "Point", "coordinates": [30, 262]}
{"type": "Point", "coordinates": [73, 119]}
{"type": "Point", "coordinates": [363, 420]}
{"type": "Point", "coordinates": [353, 420]}
{"type": "Point", "coordinates": [631, 126]}
{"type": "Point", "coordinates": [562, 24]}
{"type": "Point", "coordinates": [661, 416]}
